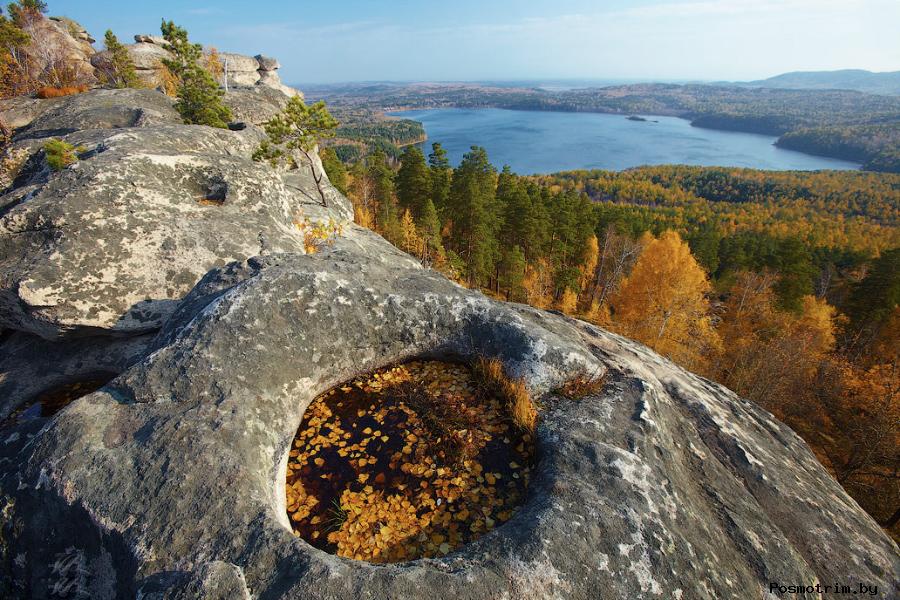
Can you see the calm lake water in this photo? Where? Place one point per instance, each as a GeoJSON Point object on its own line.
{"type": "Point", "coordinates": [547, 142]}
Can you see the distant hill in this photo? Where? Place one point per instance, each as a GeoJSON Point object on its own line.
{"type": "Point", "coordinates": [846, 79]}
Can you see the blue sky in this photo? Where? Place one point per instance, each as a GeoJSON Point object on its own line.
{"type": "Point", "coordinates": [354, 40]}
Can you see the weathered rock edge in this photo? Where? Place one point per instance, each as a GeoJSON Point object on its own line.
{"type": "Point", "coordinates": [169, 482]}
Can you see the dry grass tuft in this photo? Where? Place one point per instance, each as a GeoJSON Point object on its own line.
{"type": "Point", "coordinates": [59, 92]}
{"type": "Point", "coordinates": [582, 386]}
{"type": "Point", "coordinates": [493, 379]}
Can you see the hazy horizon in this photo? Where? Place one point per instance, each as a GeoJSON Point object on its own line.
{"type": "Point", "coordinates": [527, 40]}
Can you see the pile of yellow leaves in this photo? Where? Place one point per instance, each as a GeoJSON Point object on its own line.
{"type": "Point", "coordinates": [408, 462]}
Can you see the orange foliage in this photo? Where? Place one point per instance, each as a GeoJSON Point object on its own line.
{"type": "Point", "coordinates": [663, 303]}
{"type": "Point", "coordinates": [54, 92]}
{"type": "Point", "coordinates": [568, 302]}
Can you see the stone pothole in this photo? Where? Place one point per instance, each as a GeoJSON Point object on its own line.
{"type": "Point", "coordinates": [48, 403]}
{"type": "Point", "coordinates": [408, 462]}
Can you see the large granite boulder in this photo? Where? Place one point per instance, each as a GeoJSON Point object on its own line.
{"type": "Point", "coordinates": [255, 105]}
{"type": "Point", "coordinates": [59, 41]}
{"type": "Point", "coordinates": [169, 481]}
{"type": "Point", "coordinates": [113, 242]}
{"type": "Point", "coordinates": [242, 70]}
{"type": "Point", "coordinates": [271, 79]}
{"type": "Point", "coordinates": [99, 109]}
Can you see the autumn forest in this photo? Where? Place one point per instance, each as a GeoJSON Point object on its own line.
{"type": "Point", "coordinates": [783, 286]}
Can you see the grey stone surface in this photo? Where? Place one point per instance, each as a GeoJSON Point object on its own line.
{"type": "Point", "coordinates": [238, 63]}
{"type": "Point", "coordinates": [169, 482]}
{"type": "Point", "coordinates": [31, 365]}
{"type": "Point", "coordinates": [147, 56]}
{"type": "Point", "coordinates": [19, 112]}
{"type": "Point", "coordinates": [151, 39]}
{"type": "Point", "coordinates": [243, 78]}
{"type": "Point", "coordinates": [267, 63]}
{"type": "Point", "coordinates": [273, 80]}
{"type": "Point", "coordinates": [113, 242]}
{"type": "Point", "coordinates": [74, 29]}
{"type": "Point", "coordinates": [99, 109]}
{"type": "Point", "coordinates": [254, 105]}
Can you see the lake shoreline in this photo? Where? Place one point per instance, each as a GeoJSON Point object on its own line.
{"type": "Point", "coordinates": [753, 149]}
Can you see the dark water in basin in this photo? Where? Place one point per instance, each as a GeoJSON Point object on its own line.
{"type": "Point", "coordinates": [547, 142]}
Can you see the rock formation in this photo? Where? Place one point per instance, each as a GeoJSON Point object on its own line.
{"type": "Point", "coordinates": [64, 41]}
{"type": "Point", "coordinates": [62, 44]}
{"type": "Point", "coordinates": [168, 260]}
{"type": "Point", "coordinates": [243, 71]}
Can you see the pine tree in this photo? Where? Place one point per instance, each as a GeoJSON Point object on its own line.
{"type": "Point", "coordinates": [516, 204]}
{"type": "Point", "coordinates": [297, 129]}
{"type": "Point", "coordinates": [512, 274]}
{"type": "Point", "coordinates": [430, 226]}
{"type": "Point", "coordinates": [119, 72]}
{"type": "Point", "coordinates": [387, 219]}
{"type": "Point", "coordinates": [24, 12]}
{"type": "Point", "coordinates": [413, 182]}
{"type": "Point", "coordinates": [704, 243]}
{"type": "Point", "coordinates": [439, 166]}
{"type": "Point", "coordinates": [199, 97]}
{"type": "Point", "coordinates": [875, 299]}
{"type": "Point", "coordinates": [37, 6]}
{"type": "Point", "coordinates": [475, 222]}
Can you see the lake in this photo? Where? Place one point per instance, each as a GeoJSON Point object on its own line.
{"type": "Point", "coordinates": [547, 142]}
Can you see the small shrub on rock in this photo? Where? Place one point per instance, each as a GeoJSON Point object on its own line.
{"type": "Point", "coordinates": [317, 235]}
{"type": "Point", "coordinates": [60, 154]}
{"type": "Point", "coordinates": [298, 128]}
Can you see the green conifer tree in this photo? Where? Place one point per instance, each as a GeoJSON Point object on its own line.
{"type": "Point", "coordinates": [475, 222]}
{"type": "Point", "coordinates": [439, 165]}
{"type": "Point", "coordinates": [119, 72]}
{"type": "Point", "coordinates": [199, 97]}
{"type": "Point", "coordinates": [387, 217]}
{"type": "Point", "coordinates": [512, 274]}
{"type": "Point", "coordinates": [297, 128]}
{"type": "Point", "coordinates": [335, 169]}
{"type": "Point", "coordinates": [413, 182]}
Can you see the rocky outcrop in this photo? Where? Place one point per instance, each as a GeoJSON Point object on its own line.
{"type": "Point", "coordinates": [113, 242]}
{"type": "Point", "coordinates": [61, 44]}
{"type": "Point", "coordinates": [242, 71]}
{"type": "Point", "coordinates": [169, 481]}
